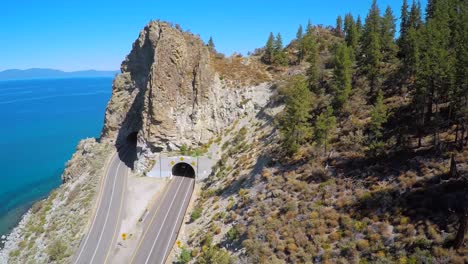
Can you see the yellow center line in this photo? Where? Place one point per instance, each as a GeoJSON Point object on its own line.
{"type": "Point", "coordinates": [150, 223]}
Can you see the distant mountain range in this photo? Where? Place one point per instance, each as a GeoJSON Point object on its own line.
{"type": "Point", "coordinates": [37, 73]}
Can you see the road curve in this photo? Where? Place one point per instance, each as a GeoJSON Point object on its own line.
{"type": "Point", "coordinates": [166, 219]}
{"type": "Point", "coordinates": [98, 243]}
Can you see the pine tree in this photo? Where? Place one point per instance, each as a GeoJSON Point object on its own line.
{"type": "Point", "coordinates": [324, 126]}
{"type": "Point", "coordinates": [351, 33]}
{"type": "Point", "coordinates": [415, 20]}
{"type": "Point", "coordinates": [459, 95]}
{"type": "Point", "coordinates": [388, 29]}
{"type": "Point", "coordinates": [339, 26]}
{"type": "Point", "coordinates": [359, 26]}
{"type": "Point", "coordinates": [435, 75]}
{"type": "Point", "coordinates": [211, 44]}
{"type": "Point", "coordinates": [299, 33]}
{"type": "Point", "coordinates": [269, 50]}
{"type": "Point", "coordinates": [293, 123]}
{"type": "Point", "coordinates": [310, 28]}
{"type": "Point", "coordinates": [300, 45]}
{"type": "Point", "coordinates": [404, 24]}
{"type": "Point", "coordinates": [342, 75]}
{"type": "Point", "coordinates": [371, 46]}
{"type": "Point", "coordinates": [409, 40]}
{"type": "Point", "coordinates": [311, 53]}
{"type": "Point", "coordinates": [279, 57]}
{"type": "Point", "coordinates": [378, 118]}
{"type": "Point", "coordinates": [404, 27]}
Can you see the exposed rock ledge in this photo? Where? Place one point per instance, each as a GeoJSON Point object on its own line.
{"type": "Point", "coordinates": [169, 93]}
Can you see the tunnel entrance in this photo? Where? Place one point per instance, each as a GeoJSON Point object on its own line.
{"type": "Point", "coordinates": [132, 139]}
{"type": "Point", "coordinates": [128, 150]}
{"type": "Point", "coordinates": [183, 169]}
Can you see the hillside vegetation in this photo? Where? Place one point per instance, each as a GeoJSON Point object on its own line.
{"type": "Point", "coordinates": [367, 161]}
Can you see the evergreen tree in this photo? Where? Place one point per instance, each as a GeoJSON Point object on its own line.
{"type": "Point", "coordinates": [324, 126]}
{"type": "Point", "coordinates": [404, 27]}
{"type": "Point", "coordinates": [279, 57]}
{"type": "Point", "coordinates": [293, 123]}
{"type": "Point", "coordinates": [311, 52]}
{"type": "Point", "coordinates": [310, 28]}
{"type": "Point", "coordinates": [211, 44]}
{"type": "Point", "coordinates": [378, 118]}
{"type": "Point", "coordinates": [404, 24]}
{"type": "Point", "coordinates": [409, 40]}
{"type": "Point", "coordinates": [278, 43]}
{"type": "Point", "coordinates": [269, 50]}
{"type": "Point", "coordinates": [342, 75]}
{"type": "Point", "coordinates": [339, 26]}
{"type": "Point", "coordinates": [459, 96]}
{"type": "Point", "coordinates": [415, 20]}
{"type": "Point", "coordinates": [359, 26]}
{"type": "Point", "coordinates": [435, 75]}
{"type": "Point", "coordinates": [388, 29]}
{"type": "Point", "coordinates": [300, 45]}
{"type": "Point", "coordinates": [299, 33]}
{"type": "Point", "coordinates": [371, 46]}
{"type": "Point", "coordinates": [351, 33]}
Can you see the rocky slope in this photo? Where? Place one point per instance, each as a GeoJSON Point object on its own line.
{"type": "Point", "coordinates": [169, 94]}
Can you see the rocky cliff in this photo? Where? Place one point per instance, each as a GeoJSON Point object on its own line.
{"type": "Point", "coordinates": [169, 94]}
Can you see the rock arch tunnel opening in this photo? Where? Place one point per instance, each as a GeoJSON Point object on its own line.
{"type": "Point", "coordinates": [128, 150]}
{"type": "Point", "coordinates": [132, 139]}
{"type": "Point", "coordinates": [183, 169]}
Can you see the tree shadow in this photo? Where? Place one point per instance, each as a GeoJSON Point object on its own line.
{"type": "Point", "coordinates": [432, 199]}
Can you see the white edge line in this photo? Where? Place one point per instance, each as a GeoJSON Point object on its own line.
{"type": "Point", "coordinates": [177, 220]}
{"type": "Point", "coordinates": [165, 217]}
{"type": "Point", "coordinates": [95, 216]}
{"type": "Point", "coordinates": [107, 215]}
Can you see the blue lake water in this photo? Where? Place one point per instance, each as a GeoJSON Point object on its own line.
{"type": "Point", "coordinates": [41, 123]}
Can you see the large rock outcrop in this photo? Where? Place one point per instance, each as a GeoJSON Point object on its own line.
{"type": "Point", "coordinates": [168, 94]}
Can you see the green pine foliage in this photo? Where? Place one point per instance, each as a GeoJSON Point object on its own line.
{"type": "Point", "coordinates": [269, 50]}
{"type": "Point", "coordinates": [378, 118]}
{"type": "Point", "coordinates": [371, 58]}
{"type": "Point", "coordinates": [324, 126]}
{"type": "Point", "coordinates": [294, 123]}
{"type": "Point", "coordinates": [339, 26]}
{"type": "Point", "coordinates": [351, 34]}
{"type": "Point", "coordinates": [279, 57]}
{"type": "Point", "coordinates": [211, 44]}
{"type": "Point", "coordinates": [388, 29]}
{"type": "Point", "coordinates": [342, 75]}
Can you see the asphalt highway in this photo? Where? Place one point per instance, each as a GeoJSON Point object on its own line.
{"type": "Point", "coordinates": [166, 218]}
{"type": "Point", "coordinates": [97, 244]}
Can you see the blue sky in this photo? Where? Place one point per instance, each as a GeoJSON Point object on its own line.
{"type": "Point", "coordinates": [82, 34]}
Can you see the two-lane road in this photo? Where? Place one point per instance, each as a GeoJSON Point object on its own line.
{"type": "Point", "coordinates": [100, 240]}
{"type": "Point", "coordinates": [166, 219]}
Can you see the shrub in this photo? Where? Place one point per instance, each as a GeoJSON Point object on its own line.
{"type": "Point", "coordinates": [57, 250]}
{"type": "Point", "coordinates": [362, 245]}
{"type": "Point", "coordinates": [197, 212]}
{"type": "Point", "coordinates": [214, 254]}
{"type": "Point", "coordinates": [185, 256]}
{"type": "Point", "coordinates": [233, 234]}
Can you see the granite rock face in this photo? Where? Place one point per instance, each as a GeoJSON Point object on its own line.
{"type": "Point", "coordinates": [169, 95]}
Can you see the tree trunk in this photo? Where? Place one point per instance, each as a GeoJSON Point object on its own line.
{"type": "Point", "coordinates": [460, 238]}
{"type": "Point", "coordinates": [453, 168]}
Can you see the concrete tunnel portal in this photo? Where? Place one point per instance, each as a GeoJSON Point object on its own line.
{"type": "Point", "coordinates": [183, 169]}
